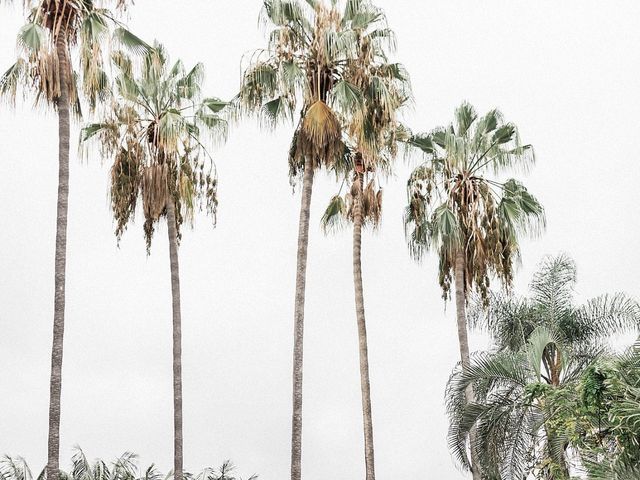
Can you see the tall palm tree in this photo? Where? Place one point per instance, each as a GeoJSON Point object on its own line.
{"type": "Point", "coordinates": [306, 66]}
{"type": "Point", "coordinates": [472, 221]}
{"type": "Point", "coordinates": [540, 345]}
{"type": "Point", "coordinates": [372, 134]}
{"type": "Point", "coordinates": [154, 134]}
{"type": "Point", "coordinates": [44, 68]}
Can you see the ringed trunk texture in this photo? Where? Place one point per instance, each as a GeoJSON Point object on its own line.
{"type": "Point", "coordinates": [177, 339]}
{"type": "Point", "coordinates": [463, 340]}
{"type": "Point", "coordinates": [298, 329]}
{"type": "Point", "coordinates": [362, 336]}
{"type": "Point", "coordinates": [55, 386]}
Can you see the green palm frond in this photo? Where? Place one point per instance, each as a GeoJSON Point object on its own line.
{"type": "Point", "coordinates": [14, 468]}
{"type": "Point", "coordinates": [32, 38]}
{"type": "Point", "coordinates": [608, 314]}
{"type": "Point", "coordinates": [128, 41]}
{"type": "Point", "coordinates": [12, 79]}
{"type": "Point", "coordinates": [613, 471]}
{"type": "Point", "coordinates": [553, 284]}
{"type": "Point", "coordinates": [538, 342]}
{"type": "Point", "coordinates": [334, 215]}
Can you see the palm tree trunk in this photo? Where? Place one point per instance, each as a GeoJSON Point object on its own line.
{"type": "Point", "coordinates": [362, 335]}
{"type": "Point", "coordinates": [560, 459]}
{"type": "Point", "coordinates": [55, 386]}
{"type": "Point", "coordinates": [463, 340]}
{"type": "Point", "coordinates": [177, 340]}
{"type": "Point", "coordinates": [298, 330]}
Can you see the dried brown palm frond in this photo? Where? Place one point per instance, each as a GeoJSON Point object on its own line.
{"type": "Point", "coordinates": [60, 17]}
{"type": "Point", "coordinates": [341, 208]}
{"type": "Point", "coordinates": [320, 135]}
{"type": "Point", "coordinates": [125, 185]}
{"type": "Point", "coordinates": [372, 203]}
{"type": "Point", "coordinates": [370, 199]}
{"type": "Point", "coordinates": [155, 190]}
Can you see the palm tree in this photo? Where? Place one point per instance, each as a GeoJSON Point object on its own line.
{"type": "Point", "coordinates": [541, 346]}
{"type": "Point", "coordinates": [44, 68]}
{"type": "Point", "coordinates": [373, 134]}
{"type": "Point", "coordinates": [154, 135]}
{"type": "Point", "coordinates": [473, 222]}
{"type": "Point", "coordinates": [312, 47]}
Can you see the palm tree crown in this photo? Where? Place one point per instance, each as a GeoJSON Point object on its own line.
{"type": "Point", "coordinates": [327, 61]}
{"type": "Point", "coordinates": [585, 328]}
{"type": "Point", "coordinates": [453, 207]}
{"type": "Point", "coordinates": [85, 25]}
{"type": "Point", "coordinates": [154, 133]}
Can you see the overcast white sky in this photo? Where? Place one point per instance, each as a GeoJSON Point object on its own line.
{"type": "Point", "coordinates": [565, 72]}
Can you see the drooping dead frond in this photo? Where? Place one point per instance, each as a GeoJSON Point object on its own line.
{"type": "Point", "coordinates": [126, 182]}
{"type": "Point", "coordinates": [372, 203]}
{"type": "Point", "coordinates": [155, 190]}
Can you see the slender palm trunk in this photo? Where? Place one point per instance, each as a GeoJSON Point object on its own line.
{"type": "Point", "coordinates": [177, 340]}
{"type": "Point", "coordinates": [298, 329]}
{"type": "Point", "coordinates": [463, 340]}
{"type": "Point", "coordinates": [362, 335]}
{"type": "Point", "coordinates": [55, 386]}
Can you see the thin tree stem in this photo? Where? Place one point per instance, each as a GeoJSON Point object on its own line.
{"type": "Point", "coordinates": [177, 339]}
{"type": "Point", "coordinates": [362, 334]}
{"type": "Point", "coordinates": [463, 340]}
{"type": "Point", "coordinates": [55, 385]}
{"type": "Point", "coordinates": [298, 330]}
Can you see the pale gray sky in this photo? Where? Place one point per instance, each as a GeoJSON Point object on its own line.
{"type": "Point", "coordinates": [565, 72]}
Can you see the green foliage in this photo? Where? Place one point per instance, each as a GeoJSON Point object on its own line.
{"type": "Point", "coordinates": [548, 396]}
{"type": "Point", "coordinates": [124, 467]}
{"type": "Point", "coordinates": [510, 319]}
